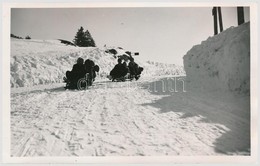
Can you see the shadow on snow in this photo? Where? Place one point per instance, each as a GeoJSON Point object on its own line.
{"type": "Point", "coordinates": [233, 113]}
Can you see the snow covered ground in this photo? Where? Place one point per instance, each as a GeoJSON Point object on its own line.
{"type": "Point", "coordinates": [127, 119]}
{"type": "Point", "coordinates": [197, 114]}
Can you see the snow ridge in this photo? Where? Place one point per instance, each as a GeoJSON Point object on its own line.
{"type": "Point", "coordinates": [35, 62]}
{"type": "Point", "coordinates": [221, 62]}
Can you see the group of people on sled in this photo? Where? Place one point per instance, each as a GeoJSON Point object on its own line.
{"type": "Point", "coordinates": [120, 71]}
{"type": "Point", "coordinates": [81, 70]}
{"type": "Point", "coordinates": [87, 71]}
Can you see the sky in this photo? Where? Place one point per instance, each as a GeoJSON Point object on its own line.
{"type": "Point", "coordinates": [162, 34]}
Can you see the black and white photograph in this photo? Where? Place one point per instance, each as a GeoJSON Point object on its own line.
{"type": "Point", "coordinates": [130, 81]}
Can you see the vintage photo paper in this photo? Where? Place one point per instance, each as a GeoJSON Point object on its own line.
{"type": "Point", "coordinates": [132, 82]}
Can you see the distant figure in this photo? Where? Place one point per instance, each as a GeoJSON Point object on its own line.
{"type": "Point", "coordinates": [119, 71]}
{"type": "Point", "coordinates": [77, 72]}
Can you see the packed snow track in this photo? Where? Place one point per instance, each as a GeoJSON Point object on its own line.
{"type": "Point", "coordinates": [141, 118]}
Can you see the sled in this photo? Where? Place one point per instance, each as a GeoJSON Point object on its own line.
{"type": "Point", "coordinates": [120, 79]}
{"type": "Point", "coordinates": [81, 84]}
{"type": "Point", "coordinates": [128, 77]}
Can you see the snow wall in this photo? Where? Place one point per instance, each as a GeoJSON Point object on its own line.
{"type": "Point", "coordinates": [222, 62]}
{"type": "Point", "coordinates": [34, 62]}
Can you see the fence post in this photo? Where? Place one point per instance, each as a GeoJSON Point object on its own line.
{"type": "Point", "coordinates": [220, 19]}
{"type": "Point", "coordinates": [240, 15]}
{"type": "Point", "coordinates": [214, 13]}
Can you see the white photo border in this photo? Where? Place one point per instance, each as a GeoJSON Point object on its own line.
{"type": "Point", "coordinates": [6, 138]}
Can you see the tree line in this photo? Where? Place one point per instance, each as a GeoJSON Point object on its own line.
{"type": "Point", "coordinates": [81, 39]}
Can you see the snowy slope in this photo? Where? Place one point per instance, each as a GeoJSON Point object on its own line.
{"type": "Point", "coordinates": [221, 62]}
{"type": "Point", "coordinates": [36, 62]}
{"type": "Point", "coordinates": [127, 119]}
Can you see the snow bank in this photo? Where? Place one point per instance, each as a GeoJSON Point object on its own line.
{"type": "Point", "coordinates": [36, 62]}
{"type": "Point", "coordinates": [161, 69]}
{"type": "Point", "coordinates": [222, 62]}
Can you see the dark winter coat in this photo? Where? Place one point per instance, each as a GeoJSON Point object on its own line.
{"type": "Point", "coordinates": [133, 68]}
{"type": "Point", "coordinates": [79, 70]}
{"type": "Point", "coordinates": [89, 68]}
{"type": "Point", "coordinates": [119, 71]}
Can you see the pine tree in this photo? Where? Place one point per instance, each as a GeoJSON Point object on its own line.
{"type": "Point", "coordinates": [84, 39]}
{"type": "Point", "coordinates": [80, 38]}
{"type": "Point", "coordinates": [90, 39]}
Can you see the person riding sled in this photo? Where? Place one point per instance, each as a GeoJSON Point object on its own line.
{"type": "Point", "coordinates": [119, 71]}
{"type": "Point", "coordinates": [77, 72]}
{"type": "Point", "coordinates": [135, 70]}
{"type": "Point", "coordinates": [91, 70]}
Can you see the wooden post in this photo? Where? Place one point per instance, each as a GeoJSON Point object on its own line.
{"type": "Point", "coordinates": [240, 15]}
{"type": "Point", "coordinates": [220, 19]}
{"type": "Point", "coordinates": [214, 13]}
